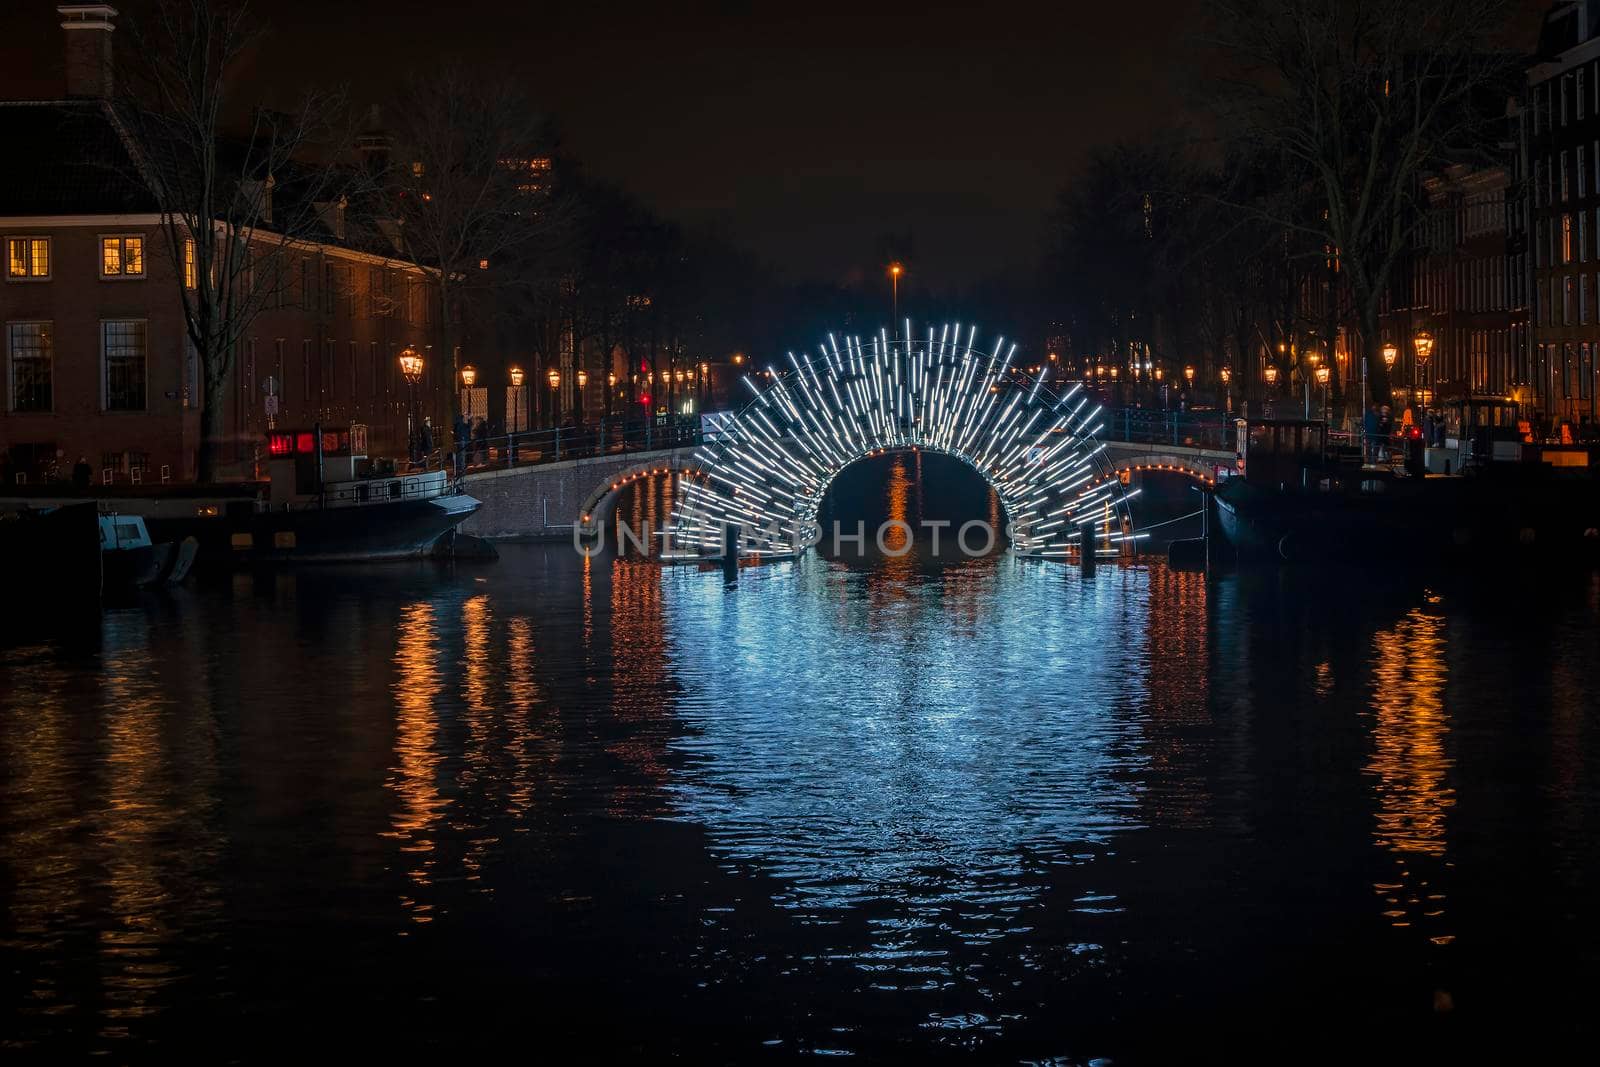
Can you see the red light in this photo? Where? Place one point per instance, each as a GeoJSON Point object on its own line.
{"type": "Point", "coordinates": [645, 400]}
{"type": "Point", "coordinates": [330, 441]}
{"type": "Point", "coordinates": [305, 443]}
{"type": "Point", "coordinates": [279, 444]}
{"type": "Point", "coordinates": [1415, 433]}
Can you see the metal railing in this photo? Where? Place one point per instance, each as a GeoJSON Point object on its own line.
{"type": "Point", "coordinates": [618, 437]}
{"type": "Point", "coordinates": [603, 437]}
{"type": "Point", "coordinates": [1204, 429]}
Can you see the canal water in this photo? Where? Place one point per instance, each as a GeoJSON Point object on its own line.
{"type": "Point", "coordinates": [903, 809]}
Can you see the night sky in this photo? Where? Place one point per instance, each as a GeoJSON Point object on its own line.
{"type": "Point", "coordinates": [805, 134]}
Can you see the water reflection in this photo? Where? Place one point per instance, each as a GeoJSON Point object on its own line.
{"type": "Point", "coordinates": [1410, 768]}
{"type": "Point", "coordinates": [893, 810]}
{"type": "Point", "coordinates": [929, 754]}
{"type": "Point", "coordinates": [414, 776]}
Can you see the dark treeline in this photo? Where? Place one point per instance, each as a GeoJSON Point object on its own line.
{"type": "Point", "coordinates": [1280, 234]}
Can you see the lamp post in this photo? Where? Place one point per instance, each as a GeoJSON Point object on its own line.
{"type": "Point", "coordinates": [1424, 345]}
{"type": "Point", "coordinates": [1323, 374]}
{"type": "Point", "coordinates": [469, 378]}
{"type": "Point", "coordinates": [554, 378]}
{"type": "Point", "coordinates": [515, 374]}
{"type": "Point", "coordinates": [895, 270]}
{"type": "Point", "coordinates": [411, 364]}
{"type": "Point", "coordinates": [579, 398]}
{"type": "Point", "coordinates": [1226, 374]}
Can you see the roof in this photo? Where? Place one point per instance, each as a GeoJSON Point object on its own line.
{"type": "Point", "coordinates": [65, 157]}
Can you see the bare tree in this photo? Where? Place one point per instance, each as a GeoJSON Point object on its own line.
{"type": "Point", "coordinates": [233, 187]}
{"type": "Point", "coordinates": [470, 188]}
{"type": "Point", "coordinates": [1357, 100]}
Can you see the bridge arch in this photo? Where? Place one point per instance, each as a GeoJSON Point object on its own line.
{"type": "Point", "coordinates": [603, 497]}
{"type": "Point", "coordinates": [1165, 464]}
{"type": "Point", "coordinates": [769, 465]}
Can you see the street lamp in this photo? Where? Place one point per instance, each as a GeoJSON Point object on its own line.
{"type": "Point", "coordinates": [1188, 374]}
{"type": "Point", "coordinates": [514, 373]}
{"type": "Point", "coordinates": [1424, 342]}
{"type": "Point", "coordinates": [555, 378]}
{"type": "Point", "coordinates": [895, 270]}
{"type": "Point", "coordinates": [1323, 374]}
{"type": "Point", "coordinates": [469, 378]}
{"type": "Point", "coordinates": [1271, 374]}
{"type": "Point", "coordinates": [1391, 352]}
{"type": "Point", "coordinates": [411, 364]}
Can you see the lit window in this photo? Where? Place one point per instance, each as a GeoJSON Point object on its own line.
{"type": "Point", "coordinates": [31, 346]}
{"type": "Point", "coordinates": [1566, 238]}
{"type": "Point", "coordinates": [122, 256]}
{"type": "Point", "coordinates": [122, 344]}
{"type": "Point", "coordinates": [28, 257]}
{"type": "Point", "coordinates": [191, 279]}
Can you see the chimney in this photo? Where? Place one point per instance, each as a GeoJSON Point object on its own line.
{"type": "Point", "coordinates": [89, 29]}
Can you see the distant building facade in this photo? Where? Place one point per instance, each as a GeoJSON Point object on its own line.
{"type": "Point", "coordinates": [1561, 139]}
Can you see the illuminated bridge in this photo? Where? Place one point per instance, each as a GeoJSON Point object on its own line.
{"type": "Point", "coordinates": [1050, 453]}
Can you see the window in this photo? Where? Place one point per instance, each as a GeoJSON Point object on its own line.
{"type": "Point", "coordinates": [1583, 174]}
{"type": "Point", "coordinates": [1579, 100]}
{"type": "Point", "coordinates": [122, 256]}
{"type": "Point", "coordinates": [32, 347]}
{"type": "Point", "coordinates": [190, 278]}
{"type": "Point", "coordinates": [122, 348]}
{"type": "Point", "coordinates": [355, 377]}
{"type": "Point", "coordinates": [1583, 237]}
{"type": "Point", "coordinates": [1564, 178]}
{"type": "Point", "coordinates": [372, 366]}
{"type": "Point", "coordinates": [28, 257]}
{"type": "Point", "coordinates": [1583, 300]}
{"type": "Point", "coordinates": [1567, 294]}
{"type": "Point", "coordinates": [1566, 238]}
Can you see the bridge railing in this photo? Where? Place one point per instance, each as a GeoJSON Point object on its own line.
{"type": "Point", "coordinates": [1203, 429]}
{"type": "Point", "coordinates": [554, 444]}
{"type": "Point", "coordinates": [620, 437]}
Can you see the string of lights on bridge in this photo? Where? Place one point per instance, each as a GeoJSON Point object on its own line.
{"type": "Point", "coordinates": [769, 466]}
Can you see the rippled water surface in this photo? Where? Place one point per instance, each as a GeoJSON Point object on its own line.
{"type": "Point", "coordinates": [892, 810]}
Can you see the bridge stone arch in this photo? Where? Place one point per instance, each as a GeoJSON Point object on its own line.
{"type": "Point", "coordinates": [768, 467]}
{"type": "Point", "coordinates": [1164, 463]}
{"type": "Point", "coordinates": [593, 508]}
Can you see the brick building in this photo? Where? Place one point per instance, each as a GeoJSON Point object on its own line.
{"type": "Point", "coordinates": [1561, 138]}
{"type": "Point", "coordinates": [97, 362]}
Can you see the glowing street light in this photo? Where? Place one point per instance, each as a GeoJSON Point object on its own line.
{"type": "Point", "coordinates": [469, 375]}
{"type": "Point", "coordinates": [1226, 374]}
{"type": "Point", "coordinates": [514, 372]}
{"type": "Point", "coordinates": [555, 378]}
{"type": "Point", "coordinates": [411, 364]}
{"type": "Point", "coordinates": [1323, 374]}
{"type": "Point", "coordinates": [1188, 374]}
{"type": "Point", "coordinates": [1271, 374]}
{"type": "Point", "coordinates": [1391, 352]}
{"type": "Point", "coordinates": [895, 270]}
{"type": "Point", "coordinates": [1424, 342]}
{"type": "Point", "coordinates": [583, 379]}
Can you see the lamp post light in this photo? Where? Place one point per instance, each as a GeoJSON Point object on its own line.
{"type": "Point", "coordinates": [895, 270]}
{"type": "Point", "coordinates": [469, 378]}
{"type": "Point", "coordinates": [1424, 345]}
{"type": "Point", "coordinates": [515, 374]}
{"type": "Point", "coordinates": [1323, 374]}
{"type": "Point", "coordinates": [579, 406]}
{"type": "Point", "coordinates": [411, 364]}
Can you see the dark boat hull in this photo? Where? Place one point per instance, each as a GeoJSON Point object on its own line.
{"type": "Point", "coordinates": [1425, 519]}
{"type": "Point", "coordinates": [401, 529]}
